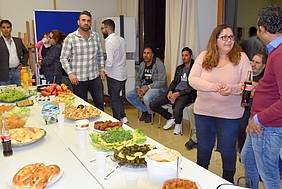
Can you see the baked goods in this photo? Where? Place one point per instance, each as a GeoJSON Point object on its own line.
{"type": "Point", "coordinates": [26, 135]}
{"type": "Point", "coordinates": [5, 108]}
{"type": "Point", "coordinates": [25, 103]}
{"type": "Point", "coordinates": [35, 176]}
{"type": "Point", "coordinates": [81, 112]}
{"type": "Point", "coordinates": [106, 125]}
{"type": "Point", "coordinates": [178, 183]}
{"type": "Point", "coordinates": [15, 121]}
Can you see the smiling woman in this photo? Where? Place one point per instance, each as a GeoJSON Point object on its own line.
{"type": "Point", "coordinates": [217, 75]}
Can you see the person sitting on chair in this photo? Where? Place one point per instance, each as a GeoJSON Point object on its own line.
{"type": "Point", "coordinates": [150, 83]}
{"type": "Point", "coordinates": [179, 94]}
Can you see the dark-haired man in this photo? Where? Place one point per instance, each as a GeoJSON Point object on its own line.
{"type": "Point", "coordinates": [115, 68]}
{"type": "Point", "coordinates": [179, 94]}
{"type": "Point", "coordinates": [260, 154]}
{"type": "Point", "coordinates": [13, 55]}
{"type": "Point", "coordinates": [82, 59]}
{"type": "Point", "coordinates": [150, 83]}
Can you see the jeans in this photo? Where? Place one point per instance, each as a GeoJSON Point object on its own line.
{"type": "Point", "coordinates": [180, 103]}
{"type": "Point", "coordinates": [260, 156]}
{"type": "Point", "coordinates": [149, 96]}
{"type": "Point", "coordinates": [115, 88]}
{"type": "Point", "coordinates": [53, 79]}
{"type": "Point", "coordinates": [225, 130]}
{"type": "Point", "coordinates": [14, 78]}
{"type": "Point", "coordinates": [96, 89]}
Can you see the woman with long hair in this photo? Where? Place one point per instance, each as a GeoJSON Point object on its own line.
{"type": "Point", "coordinates": [51, 62]}
{"type": "Point", "coordinates": [217, 75]}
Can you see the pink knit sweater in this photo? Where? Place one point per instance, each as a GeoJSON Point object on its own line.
{"type": "Point", "coordinates": [211, 103]}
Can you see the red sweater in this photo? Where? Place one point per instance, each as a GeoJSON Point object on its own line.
{"type": "Point", "coordinates": [267, 103]}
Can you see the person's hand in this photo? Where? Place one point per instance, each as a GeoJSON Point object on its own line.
{"type": "Point", "coordinates": [253, 127]}
{"type": "Point", "coordinates": [144, 89]}
{"type": "Point", "coordinates": [40, 62]}
{"type": "Point", "coordinates": [216, 87]}
{"type": "Point", "coordinates": [174, 96]}
{"type": "Point", "coordinates": [225, 90]}
{"type": "Point", "coordinates": [169, 95]}
{"type": "Point", "coordinates": [73, 79]}
{"type": "Point", "coordinates": [139, 92]}
{"type": "Point", "coordinates": [102, 75]}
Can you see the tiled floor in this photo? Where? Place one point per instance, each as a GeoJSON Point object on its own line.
{"type": "Point", "coordinates": [167, 138]}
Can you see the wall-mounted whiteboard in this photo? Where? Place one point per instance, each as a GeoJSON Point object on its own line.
{"type": "Point", "coordinates": [48, 20]}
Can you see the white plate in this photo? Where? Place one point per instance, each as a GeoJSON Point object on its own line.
{"type": "Point", "coordinates": [97, 130]}
{"type": "Point", "coordinates": [53, 181]}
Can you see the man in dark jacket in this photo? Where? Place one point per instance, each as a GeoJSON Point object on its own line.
{"type": "Point", "coordinates": [179, 94]}
{"type": "Point", "coordinates": [13, 55]}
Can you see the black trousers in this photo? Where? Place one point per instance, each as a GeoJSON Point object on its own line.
{"type": "Point", "coordinates": [115, 89]}
{"type": "Point", "coordinates": [178, 107]}
{"type": "Point", "coordinates": [242, 131]}
{"type": "Point", "coordinates": [96, 89]}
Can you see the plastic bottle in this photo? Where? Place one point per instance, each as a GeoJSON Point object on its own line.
{"type": "Point", "coordinates": [248, 87]}
{"type": "Point", "coordinates": [6, 140]}
{"type": "Point", "coordinates": [23, 70]}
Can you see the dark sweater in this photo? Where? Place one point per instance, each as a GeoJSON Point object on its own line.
{"type": "Point", "coordinates": [51, 62]}
{"type": "Point", "coordinates": [267, 102]}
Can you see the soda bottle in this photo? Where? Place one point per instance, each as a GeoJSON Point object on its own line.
{"type": "Point", "coordinates": [248, 87]}
{"type": "Point", "coordinates": [6, 140]}
{"type": "Point", "coordinates": [33, 79]}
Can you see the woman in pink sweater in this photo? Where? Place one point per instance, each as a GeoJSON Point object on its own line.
{"type": "Point", "coordinates": [217, 75]}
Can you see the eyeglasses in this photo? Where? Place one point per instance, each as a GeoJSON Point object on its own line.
{"type": "Point", "coordinates": [226, 37]}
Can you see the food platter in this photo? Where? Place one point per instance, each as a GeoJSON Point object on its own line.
{"type": "Point", "coordinates": [27, 135]}
{"type": "Point", "coordinates": [81, 112]}
{"type": "Point", "coordinates": [52, 180]}
{"type": "Point", "coordinates": [180, 183]}
{"type": "Point", "coordinates": [11, 95]}
{"type": "Point", "coordinates": [132, 156]}
{"type": "Point", "coordinates": [101, 126]}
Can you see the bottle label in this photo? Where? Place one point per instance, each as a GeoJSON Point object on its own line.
{"type": "Point", "coordinates": [248, 87]}
{"type": "Point", "coordinates": [5, 138]}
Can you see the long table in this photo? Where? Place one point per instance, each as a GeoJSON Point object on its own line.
{"type": "Point", "coordinates": [71, 149]}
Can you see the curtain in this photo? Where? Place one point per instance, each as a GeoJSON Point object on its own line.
{"type": "Point", "coordinates": [181, 30]}
{"type": "Point", "coordinates": [128, 8]}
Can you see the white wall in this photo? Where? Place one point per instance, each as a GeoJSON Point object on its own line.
{"type": "Point", "coordinates": [19, 11]}
{"type": "Point", "coordinates": [207, 18]}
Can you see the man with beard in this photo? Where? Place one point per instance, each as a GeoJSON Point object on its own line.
{"type": "Point", "coordinates": [115, 68]}
{"type": "Point", "coordinates": [13, 55]}
{"type": "Point", "coordinates": [82, 59]}
{"type": "Point", "coordinates": [150, 83]}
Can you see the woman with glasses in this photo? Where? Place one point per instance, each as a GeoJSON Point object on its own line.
{"type": "Point", "coordinates": [217, 75]}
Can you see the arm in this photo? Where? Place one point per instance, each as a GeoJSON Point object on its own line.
{"type": "Point", "coordinates": [275, 110]}
{"type": "Point", "coordinates": [139, 75]}
{"type": "Point", "coordinates": [39, 47]}
{"type": "Point", "coordinates": [195, 79]}
{"type": "Point", "coordinates": [100, 56]}
{"type": "Point", "coordinates": [66, 55]}
{"type": "Point", "coordinates": [110, 54]}
{"type": "Point", "coordinates": [245, 67]}
{"type": "Point", "coordinates": [173, 82]}
{"type": "Point", "coordinates": [159, 80]}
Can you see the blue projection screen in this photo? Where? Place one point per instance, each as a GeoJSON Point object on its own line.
{"type": "Point", "coordinates": [48, 20]}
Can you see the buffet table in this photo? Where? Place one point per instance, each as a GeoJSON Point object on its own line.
{"type": "Point", "coordinates": [71, 149]}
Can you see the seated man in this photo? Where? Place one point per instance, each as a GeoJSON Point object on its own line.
{"type": "Point", "coordinates": [179, 94]}
{"type": "Point", "coordinates": [150, 83]}
{"type": "Point", "coordinates": [192, 142]}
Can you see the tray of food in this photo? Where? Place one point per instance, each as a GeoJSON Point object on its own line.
{"type": "Point", "coordinates": [24, 103]}
{"type": "Point", "coordinates": [11, 95]}
{"type": "Point", "coordinates": [36, 176]}
{"type": "Point", "coordinates": [111, 139]}
{"type": "Point", "coordinates": [177, 183]}
{"type": "Point", "coordinates": [101, 126]}
{"type": "Point", "coordinates": [25, 136]}
{"type": "Point", "coordinates": [132, 155]}
{"type": "Point", "coordinates": [81, 112]}
{"type": "Point", "coordinates": [5, 108]}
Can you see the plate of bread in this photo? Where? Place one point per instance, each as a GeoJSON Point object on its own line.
{"type": "Point", "coordinates": [36, 176]}
{"type": "Point", "coordinates": [26, 135]}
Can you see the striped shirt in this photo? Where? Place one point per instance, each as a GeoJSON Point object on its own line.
{"type": "Point", "coordinates": [83, 57]}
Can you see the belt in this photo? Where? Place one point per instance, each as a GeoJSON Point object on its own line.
{"type": "Point", "coordinates": [14, 68]}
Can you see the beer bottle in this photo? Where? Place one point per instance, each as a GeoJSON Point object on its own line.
{"type": "Point", "coordinates": [248, 87]}
{"type": "Point", "coordinates": [6, 140]}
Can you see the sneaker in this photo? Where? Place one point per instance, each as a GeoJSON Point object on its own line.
{"type": "Point", "coordinates": [148, 118]}
{"type": "Point", "coordinates": [169, 123]}
{"type": "Point", "coordinates": [178, 129]}
{"type": "Point", "coordinates": [124, 120]}
{"type": "Point", "coordinates": [190, 144]}
{"type": "Point", "coordinates": [143, 116]}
